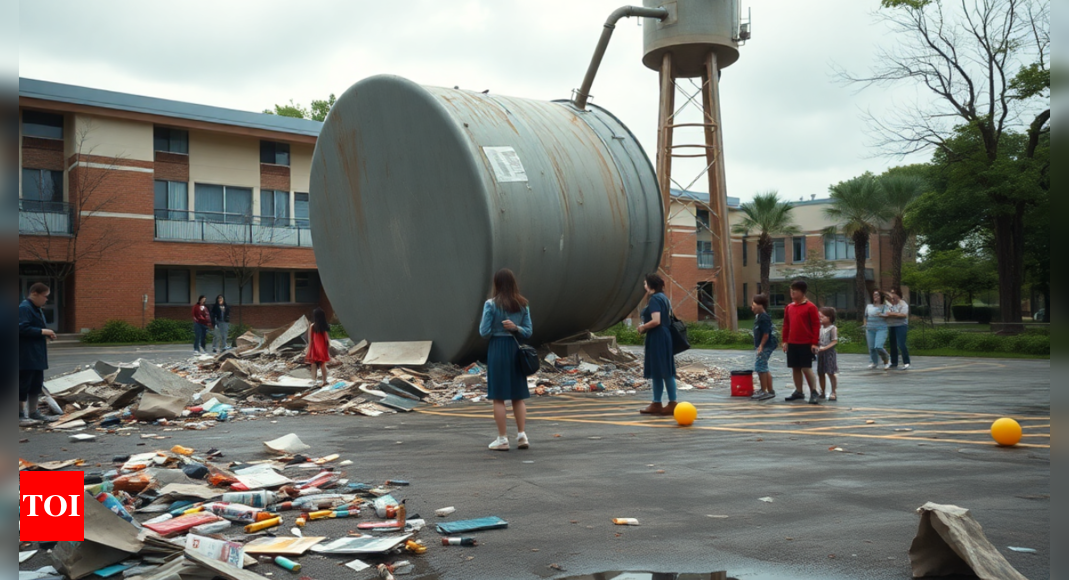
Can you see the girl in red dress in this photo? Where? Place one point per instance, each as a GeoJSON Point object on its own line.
{"type": "Point", "coordinates": [318, 354]}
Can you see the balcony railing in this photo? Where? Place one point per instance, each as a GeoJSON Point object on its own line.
{"type": "Point", "coordinates": [44, 217]}
{"type": "Point", "coordinates": [705, 260]}
{"type": "Point", "coordinates": [231, 228]}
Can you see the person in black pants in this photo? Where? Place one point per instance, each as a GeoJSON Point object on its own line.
{"type": "Point", "coordinates": [221, 324]}
{"type": "Point", "coordinates": [33, 351]}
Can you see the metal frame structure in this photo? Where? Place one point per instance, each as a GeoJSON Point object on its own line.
{"type": "Point", "coordinates": [712, 150]}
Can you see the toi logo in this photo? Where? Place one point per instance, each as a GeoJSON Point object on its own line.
{"type": "Point", "coordinates": [51, 507]}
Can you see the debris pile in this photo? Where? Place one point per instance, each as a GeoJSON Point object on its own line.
{"type": "Point", "coordinates": [265, 376]}
{"type": "Point", "coordinates": [184, 514]}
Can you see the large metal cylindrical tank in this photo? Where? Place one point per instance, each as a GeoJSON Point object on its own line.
{"type": "Point", "coordinates": [419, 194]}
{"type": "Point", "coordinates": [693, 29]}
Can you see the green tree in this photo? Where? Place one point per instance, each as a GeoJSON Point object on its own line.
{"type": "Point", "coordinates": [954, 273]}
{"type": "Point", "coordinates": [987, 66]}
{"type": "Point", "coordinates": [900, 191]}
{"type": "Point", "coordinates": [317, 112]}
{"type": "Point", "coordinates": [858, 208]}
{"type": "Point", "coordinates": [768, 216]}
{"type": "Point", "coordinates": [819, 274]}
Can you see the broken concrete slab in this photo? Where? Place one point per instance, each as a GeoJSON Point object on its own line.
{"type": "Point", "coordinates": [398, 353]}
{"type": "Point", "coordinates": [164, 382]}
{"type": "Point", "coordinates": [409, 388]}
{"type": "Point", "coordinates": [950, 542]}
{"type": "Point", "coordinates": [153, 407]}
{"type": "Point", "coordinates": [359, 349]}
{"type": "Point", "coordinates": [60, 385]}
{"type": "Point", "coordinates": [235, 367]}
{"type": "Point", "coordinates": [124, 373]}
{"type": "Point", "coordinates": [281, 337]}
{"type": "Point", "coordinates": [399, 403]}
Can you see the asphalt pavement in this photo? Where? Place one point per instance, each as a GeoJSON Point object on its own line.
{"type": "Point", "coordinates": [844, 478]}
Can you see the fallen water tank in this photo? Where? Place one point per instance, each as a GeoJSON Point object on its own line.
{"type": "Point", "coordinates": [419, 194]}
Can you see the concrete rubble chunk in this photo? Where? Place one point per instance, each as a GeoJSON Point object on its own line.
{"type": "Point", "coordinates": [164, 382]}
{"type": "Point", "coordinates": [61, 385]}
{"type": "Point", "coordinates": [124, 372]}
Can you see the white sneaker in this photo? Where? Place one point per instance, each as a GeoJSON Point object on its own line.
{"type": "Point", "coordinates": [886, 366]}
{"type": "Point", "coordinates": [522, 442]}
{"type": "Point", "coordinates": [500, 444]}
{"type": "Point", "coordinates": [905, 366]}
{"type": "Point", "coordinates": [872, 365]}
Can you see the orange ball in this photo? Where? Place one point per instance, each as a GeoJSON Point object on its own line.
{"type": "Point", "coordinates": [685, 414]}
{"type": "Point", "coordinates": [1006, 432]}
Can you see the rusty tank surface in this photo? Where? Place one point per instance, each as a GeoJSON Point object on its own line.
{"type": "Point", "coordinates": [419, 194]}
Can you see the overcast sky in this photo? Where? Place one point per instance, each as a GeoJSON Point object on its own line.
{"type": "Point", "coordinates": [788, 124]}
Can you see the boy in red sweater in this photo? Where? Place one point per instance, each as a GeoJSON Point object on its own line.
{"type": "Point", "coordinates": [801, 334]}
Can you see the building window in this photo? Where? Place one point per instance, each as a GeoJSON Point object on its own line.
{"type": "Point", "coordinates": [274, 287]}
{"type": "Point", "coordinates": [300, 210]}
{"type": "Point", "coordinates": [307, 284]}
{"type": "Point", "coordinates": [705, 255]}
{"type": "Point", "coordinates": [745, 294]}
{"type": "Point", "coordinates": [779, 251]}
{"type": "Point", "coordinates": [798, 255]}
{"type": "Point", "coordinates": [172, 286]}
{"type": "Point", "coordinates": [42, 189]}
{"type": "Point", "coordinates": [172, 200]}
{"type": "Point", "coordinates": [212, 283]}
{"type": "Point", "coordinates": [171, 140]}
{"type": "Point", "coordinates": [745, 252]}
{"type": "Point", "coordinates": [43, 125]}
{"type": "Point", "coordinates": [274, 153]}
{"type": "Point", "coordinates": [839, 247]}
{"type": "Point", "coordinates": [776, 295]}
{"type": "Point", "coordinates": [218, 203]}
{"type": "Point", "coordinates": [703, 219]}
{"type": "Point", "coordinates": [274, 207]}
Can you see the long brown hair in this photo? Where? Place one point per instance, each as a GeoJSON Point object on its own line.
{"type": "Point", "coordinates": [319, 321]}
{"type": "Point", "coordinates": [507, 292]}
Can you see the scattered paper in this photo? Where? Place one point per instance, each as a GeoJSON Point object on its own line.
{"type": "Point", "coordinates": [1022, 550]}
{"type": "Point", "coordinates": [357, 565]}
{"type": "Point", "coordinates": [23, 556]}
{"type": "Point", "coordinates": [82, 437]}
{"type": "Point", "coordinates": [361, 545]}
{"type": "Point", "coordinates": [219, 550]}
{"type": "Point", "coordinates": [282, 546]}
{"type": "Point", "coordinates": [766, 499]}
{"type": "Point", "coordinates": [287, 445]}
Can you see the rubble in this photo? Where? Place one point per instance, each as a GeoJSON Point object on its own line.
{"type": "Point", "coordinates": [265, 377]}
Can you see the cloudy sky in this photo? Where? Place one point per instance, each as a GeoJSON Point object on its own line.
{"type": "Point", "coordinates": [788, 124]}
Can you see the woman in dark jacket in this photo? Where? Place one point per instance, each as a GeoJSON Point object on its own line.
{"type": "Point", "coordinates": [221, 323]}
{"type": "Point", "coordinates": [202, 321]}
{"type": "Point", "coordinates": [660, 364]}
{"type": "Point", "coordinates": [505, 316]}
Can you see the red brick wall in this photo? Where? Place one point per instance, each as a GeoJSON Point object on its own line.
{"type": "Point", "coordinates": [682, 287]}
{"type": "Point", "coordinates": [260, 316]}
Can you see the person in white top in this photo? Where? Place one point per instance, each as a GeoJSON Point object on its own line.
{"type": "Point", "coordinates": [898, 328]}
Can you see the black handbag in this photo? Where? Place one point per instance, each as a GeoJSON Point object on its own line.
{"type": "Point", "coordinates": [526, 358]}
{"type": "Point", "coordinates": [678, 330]}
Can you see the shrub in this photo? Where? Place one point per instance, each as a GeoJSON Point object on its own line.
{"type": "Point", "coordinates": [338, 331]}
{"type": "Point", "coordinates": [116, 331]}
{"type": "Point", "coordinates": [235, 331]}
{"type": "Point", "coordinates": [984, 314]}
{"type": "Point", "coordinates": [166, 330]}
{"type": "Point", "coordinates": [920, 310]}
{"type": "Point", "coordinates": [776, 313]}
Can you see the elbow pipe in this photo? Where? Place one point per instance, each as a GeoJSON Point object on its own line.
{"type": "Point", "coordinates": [599, 52]}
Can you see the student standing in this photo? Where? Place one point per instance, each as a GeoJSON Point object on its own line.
{"type": "Point", "coordinates": [317, 355]}
{"type": "Point", "coordinates": [660, 364]}
{"type": "Point", "coordinates": [33, 351]}
{"type": "Point", "coordinates": [801, 333]}
{"type": "Point", "coordinates": [221, 322]}
{"type": "Point", "coordinates": [876, 330]}
{"type": "Point", "coordinates": [898, 329]}
{"type": "Point", "coordinates": [827, 360]}
{"type": "Point", "coordinates": [505, 315]}
{"type": "Point", "coordinates": [765, 343]}
{"type": "Point", "coordinates": [202, 321]}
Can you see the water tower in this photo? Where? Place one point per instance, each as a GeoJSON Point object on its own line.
{"type": "Point", "coordinates": [697, 40]}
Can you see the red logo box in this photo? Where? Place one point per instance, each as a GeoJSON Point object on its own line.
{"type": "Point", "coordinates": [51, 506]}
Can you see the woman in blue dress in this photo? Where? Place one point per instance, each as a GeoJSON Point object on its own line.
{"type": "Point", "coordinates": [506, 315]}
{"type": "Point", "coordinates": [660, 362]}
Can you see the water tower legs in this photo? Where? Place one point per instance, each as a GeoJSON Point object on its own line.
{"type": "Point", "coordinates": [724, 282]}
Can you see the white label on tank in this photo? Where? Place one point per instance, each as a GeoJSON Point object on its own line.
{"type": "Point", "coordinates": [506, 164]}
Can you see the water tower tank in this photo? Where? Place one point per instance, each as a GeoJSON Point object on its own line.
{"type": "Point", "coordinates": [692, 29]}
{"type": "Point", "coordinates": [419, 194]}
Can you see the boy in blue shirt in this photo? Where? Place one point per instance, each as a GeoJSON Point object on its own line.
{"type": "Point", "coordinates": [764, 341]}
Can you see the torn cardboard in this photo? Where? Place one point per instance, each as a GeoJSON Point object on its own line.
{"type": "Point", "coordinates": [108, 540]}
{"type": "Point", "coordinates": [287, 445]}
{"type": "Point", "coordinates": [398, 353]}
{"type": "Point", "coordinates": [950, 542]}
{"type": "Point", "coordinates": [153, 407]}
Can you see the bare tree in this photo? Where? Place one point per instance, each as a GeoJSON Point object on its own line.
{"type": "Point", "coordinates": [62, 244]}
{"type": "Point", "coordinates": [987, 64]}
{"type": "Point", "coordinates": [246, 249]}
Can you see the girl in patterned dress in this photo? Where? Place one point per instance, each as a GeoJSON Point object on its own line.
{"type": "Point", "coordinates": [827, 361]}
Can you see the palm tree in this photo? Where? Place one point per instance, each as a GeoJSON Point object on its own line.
{"type": "Point", "coordinates": [900, 190]}
{"type": "Point", "coordinates": [859, 208]}
{"type": "Point", "coordinates": [769, 216]}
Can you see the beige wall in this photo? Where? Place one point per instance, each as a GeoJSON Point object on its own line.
{"type": "Point", "coordinates": [300, 166]}
{"type": "Point", "coordinates": [108, 137]}
{"type": "Point", "coordinates": [223, 159]}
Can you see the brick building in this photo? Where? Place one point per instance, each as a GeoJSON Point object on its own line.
{"type": "Point", "coordinates": [139, 205]}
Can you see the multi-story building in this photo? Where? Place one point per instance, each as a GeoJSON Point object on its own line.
{"type": "Point", "coordinates": [131, 207]}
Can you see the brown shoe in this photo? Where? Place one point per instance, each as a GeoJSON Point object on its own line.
{"type": "Point", "coordinates": [669, 409]}
{"type": "Point", "coordinates": [653, 409]}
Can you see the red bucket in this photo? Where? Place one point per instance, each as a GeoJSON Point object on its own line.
{"type": "Point", "coordinates": [741, 383]}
